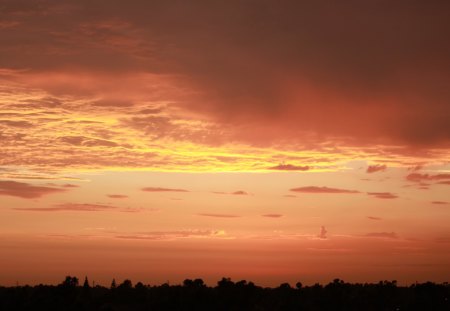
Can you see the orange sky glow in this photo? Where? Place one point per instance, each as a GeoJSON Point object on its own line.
{"type": "Point", "coordinates": [272, 141]}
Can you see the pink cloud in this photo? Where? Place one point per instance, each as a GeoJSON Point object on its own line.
{"type": "Point", "coordinates": [383, 195]}
{"type": "Point", "coordinates": [80, 207]}
{"type": "Point", "coordinates": [218, 215]}
{"type": "Point", "coordinates": [25, 191]}
{"type": "Point", "coordinates": [117, 196]}
{"type": "Point", "coordinates": [314, 189]}
{"type": "Point", "coordinates": [376, 168]}
{"type": "Point", "coordinates": [439, 202]}
{"type": "Point", "coordinates": [445, 182]}
{"type": "Point", "coordinates": [373, 218]}
{"type": "Point", "coordinates": [388, 235]}
{"type": "Point", "coordinates": [289, 167]}
{"type": "Point", "coordinates": [238, 192]}
{"type": "Point", "coordinates": [70, 186]}
{"type": "Point", "coordinates": [159, 189]}
{"type": "Point", "coordinates": [272, 215]}
{"type": "Point", "coordinates": [417, 177]}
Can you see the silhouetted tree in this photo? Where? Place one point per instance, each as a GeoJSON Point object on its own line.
{"type": "Point", "coordinates": [113, 284]}
{"type": "Point", "coordinates": [86, 283]}
{"type": "Point", "coordinates": [70, 282]}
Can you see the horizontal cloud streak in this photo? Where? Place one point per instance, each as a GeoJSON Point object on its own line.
{"type": "Point", "coordinates": [159, 189]}
{"type": "Point", "coordinates": [25, 191]}
{"type": "Point", "coordinates": [315, 189]}
{"type": "Point", "coordinates": [383, 195]}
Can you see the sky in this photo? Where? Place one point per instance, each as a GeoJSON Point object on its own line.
{"type": "Point", "coordinates": [272, 141]}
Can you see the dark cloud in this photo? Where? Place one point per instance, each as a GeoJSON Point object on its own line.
{"type": "Point", "coordinates": [218, 215]}
{"type": "Point", "coordinates": [289, 167]}
{"type": "Point", "coordinates": [70, 186]}
{"type": "Point", "coordinates": [24, 190]}
{"type": "Point", "coordinates": [159, 189]}
{"type": "Point", "coordinates": [376, 168]}
{"type": "Point", "coordinates": [117, 196]}
{"type": "Point", "coordinates": [439, 202]}
{"type": "Point", "coordinates": [383, 195]}
{"type": "Point", "coordinates": [417, 177]}
{"type": "Point", "coordinates": [373, 218]}
{"type": "Point", "coordinates": [387, 235]}
{"type": "Point", "coordinates": [272, 215]}
{"type": "Point", "coordinates": [314, 189]}
{"type": "Point", "coordinates": [239, 192]}
{"type": "Point", "coordinates": [271, 70]}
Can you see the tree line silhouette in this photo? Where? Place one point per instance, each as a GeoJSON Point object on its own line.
{"type": "Point", "coordinates": [225, 296]}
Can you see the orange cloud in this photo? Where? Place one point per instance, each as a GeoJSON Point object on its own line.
{"type": "Point", "coordinates": [388, 235]}
{"type": "Point", "coordinates": [159, 189]}
{"type": "Point", "coordinates": [383, 195]}
{"type": "Point", "coordinates": [272, 215]}
{"type": "Point", "coordinates": [439, 202]}
{"type": "Point", "coordinates": [218, 215]}
{"type": "Point", "coordinates": [24, 190]}
{"type": "Point", "coordinates": [417, 177]}
{"type": "Point", "coordinates": [117, 196]}
{"type": "Point", "coordinates": [289, 167]}
{"type": "Point", "coordinates": [77, 207]}
{"type": "Point", "coordinates": [373, 218]}
{"type": "Point", "coordinates": [376, 168]}
{"type": "Point", "coordinates": [314, 189]}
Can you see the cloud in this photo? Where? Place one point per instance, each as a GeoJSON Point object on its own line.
{"type": "Point", "coordinates": [289, 167]}
{"type": "Point", "coordinates": [25, 191]}
{"type": "Point", "coordinates": [289, 196]}
{"type": "Point", "coordinates": [272, 215]}
{"type": "Point", "coordinates": [445, 182]}
{"type": "Point", "coordinates": [159, 189]}
{"type": "Point", "coordinates": [117, 196]}
{"type": "Point", "coordinates": [387, 235]}
{"type": "Point", "coordinates": [373, 218]}
{"type": "Point", "coordinates": [314, 189]}
{"type": "Point", "coordinates": [170, 235]}
{"type": "Point", "coordinates": [238, 192]}
{"type": "Point", "coordinates": [417, 177]}
{"type": "Point", "coordinates": [439, 202]}
{"type": "Point", "coordinates": [376, 168]}
{"type": "Point", "coordinates": [383, 195]}
{"type": "Point", "coordinates": [78, 207]}
{"type": "Point", "coordinates": [323, 233]}
{"type": "Point", "coordinates": [218, 215]}
{"type": "Point", "coordinates": [70, 186]}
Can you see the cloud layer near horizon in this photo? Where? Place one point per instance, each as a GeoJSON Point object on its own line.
{"type": "Point", "coordinates": [127, 83]}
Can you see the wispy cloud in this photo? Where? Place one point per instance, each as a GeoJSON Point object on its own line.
{"type": "Point", "coordinates": [383, 195]}
{"type": "Point", "coordinates": [159, 189]}
{"type": "Point", "coordinates": [80, 207]}
{"type": "Point", "coordinates": [238, 192]}
{"type": "Point", "coordinates": [314, 189]}
{"type": "Point", "coordinates": [272, 215]}
{"type": "Point", "coordinates": [439, 202]}
{"type": "Point", "coordinates": [376, 168]}
{"type": "Point", "coordinates": [219, 215]}
{"type": "Point", "coordinates": [387, 235]}
{"type": "Point", "coordinates": [289, 167]}
{"type": "Point", "coordinates": [373, 218]}
{"type": "Point", "coordinates": [117, 196]}
{"type": "Point", "coordinates": [25, 191]}
{"type": "Point", "coordinates": [170, 235]}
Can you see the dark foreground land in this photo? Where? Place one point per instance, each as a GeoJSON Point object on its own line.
{"type": "Point", "coordinates": [227, 295]}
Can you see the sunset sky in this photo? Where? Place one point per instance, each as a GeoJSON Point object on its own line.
{"type": "Point", "coordinates": [272, 141]}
